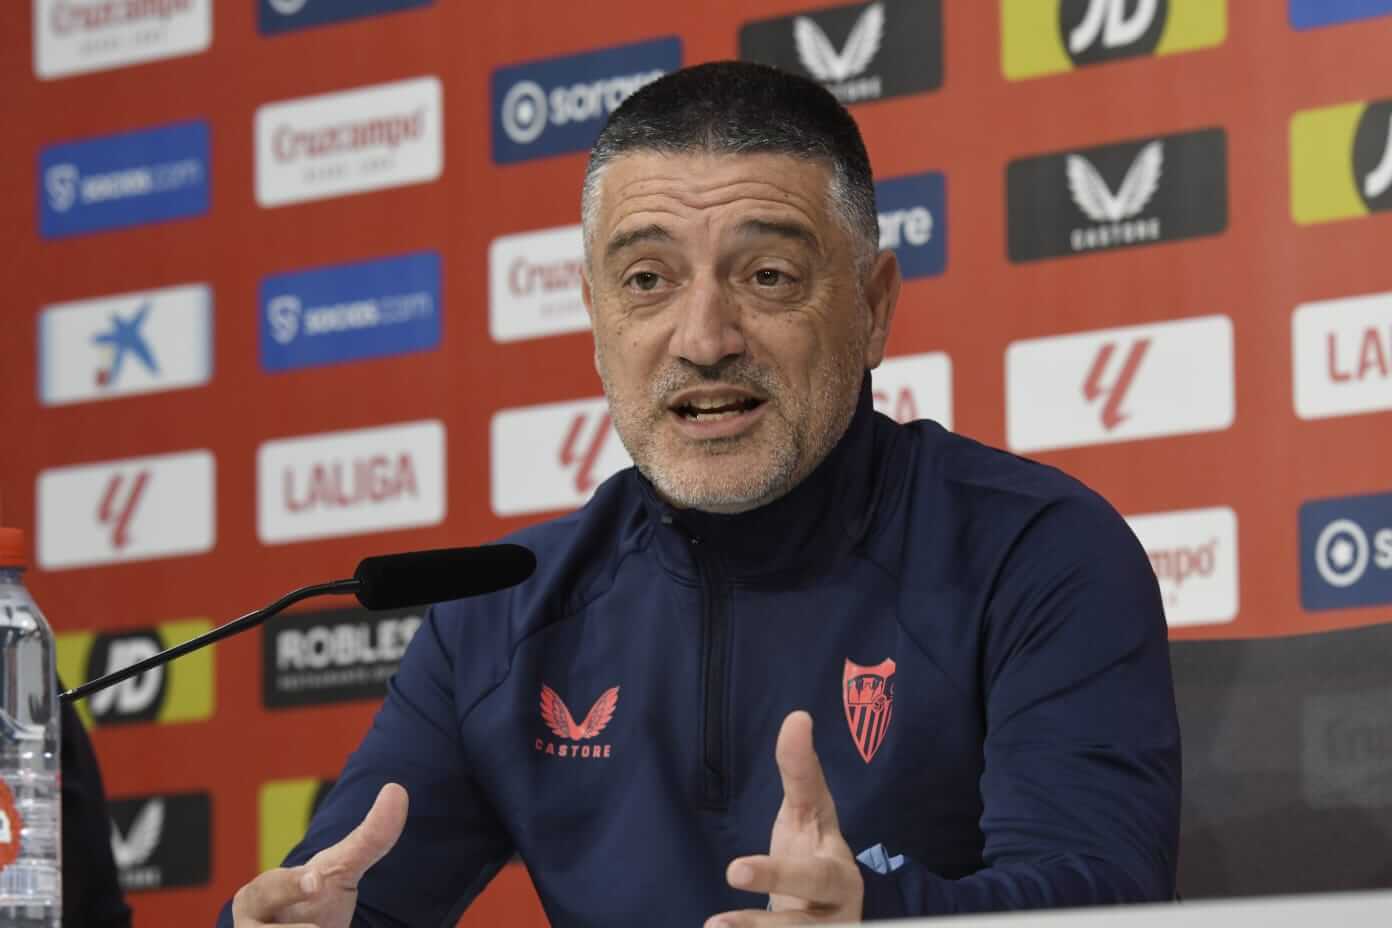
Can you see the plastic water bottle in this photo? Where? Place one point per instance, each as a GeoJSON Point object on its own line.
{"type": "Point", "coordinates": [31, 889]}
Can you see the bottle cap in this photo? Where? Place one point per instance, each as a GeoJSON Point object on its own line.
{"type": "Point", "coordinates": [13, 548]}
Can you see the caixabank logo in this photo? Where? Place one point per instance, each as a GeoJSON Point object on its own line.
{"type": "Point", "coordinates": [286, 806]}
{"type": "Point", "coordinates": [180, 691]}
{"type": "Point", "coordinates": [162, 841]}
{"type": "Point", "coordinates": [351, 312]}
{"type": "Point", "coordinates": [1041, 37]}
{"type": "Point", "coordinates": [559, 105]}
{"type": "Point", "coordinates": [1308, 14]}
{"type": "Point", "coordinates": [1125, 195]}
{"type": "Point", "coordinates": [334, 655]}
{"type": "Point", "coordinates": [913, 222]}
{"type": "Point", "coordinates": [277, 16]}
{"type": "Point", "coordinates": [1346, 552]}
{"type": "Point", "coordinates": [1341, 161]}
{"type": "Point", "coordinates": [129, 179]}
{"type": "Point", "coordinates": [860, 51]}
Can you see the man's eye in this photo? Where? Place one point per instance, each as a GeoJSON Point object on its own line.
{"type": "Point", "coordinates": [768, 277]}
{"type": "Point", "coordinates": [644, 280]}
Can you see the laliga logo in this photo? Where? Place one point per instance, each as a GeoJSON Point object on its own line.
{"type": "Point", "coordinates": [61, 183]}
{"type": "Point", "coordinates": [1342, 552]}
{"type": "Point", "coordinates": [283, 313]}
{"type": "Point", "coordinates": [288, 7]}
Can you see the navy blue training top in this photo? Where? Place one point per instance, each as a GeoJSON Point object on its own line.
{"type": "Point", "coordinates": [979, 638]}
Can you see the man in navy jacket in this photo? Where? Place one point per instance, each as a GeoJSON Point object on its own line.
{"type": "Point", "coordinates": [979, 638]}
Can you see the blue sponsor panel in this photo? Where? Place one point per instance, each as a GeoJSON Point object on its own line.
{"type": "Point", "coordinates": [277, 16]}
{"type": "Point", "coordinates": [1346, 552]}
{"type": "Point", "coordinates": [559, 105]}
{"type": "Point", "coordinates": [351, 312]}
{"type": "Point", "coordinates": [128, 179]}
{"type": "Point", "coordinates": [913, 222]}
{"type": "Point", "coordinates": [1308, 14]}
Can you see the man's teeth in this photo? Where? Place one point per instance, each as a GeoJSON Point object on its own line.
{"type": "Point", "coordinates": [712, 409]}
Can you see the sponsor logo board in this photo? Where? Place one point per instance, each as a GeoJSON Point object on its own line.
{"type": "Point", "coordinates": [1308, 14]}
{"type": "Point", "coordinates": [162, 841]}
{"type": "Point", "coordinates": [82, 36]}
{"type": "Point", "coordinates": [1146, 381]}
{"type": "Point", "coordinates": [122, 180]}
{"type": "Point", "coordinates": [1346, 552]}
{"type": "Point", "coordinates": [1041, 37]}
{"type": "Point", "coordinates": [351, 312]}
{"type": "Point", "coordinates": [180, 691]}
{"type": "Point", "coordinates": [285, 808]}
{"type": "Point", "coordinates": [534, 284]}
{"type": "Point", "coordinates": [129, 510]}
{"type": "Point", "coordinates": [350, 141]}
{"type": "Point", "coordinates": [351, 482]}
{"type": "Point", "coordinates": [331, 656]}
{"type": "Point", "coordinates": [551, 457]}
{"type": "Point", "coordinates": [1342, 353]}
{"type": "Point", "coordinates": [913, 222]}
{"type": "Point", "coordinates": [858, 51]}
{"type": "Point", "coordinates": [277, 16]}
{"type": "Point", "coordinates": [559, 105]}
{"type": "Point", "coordinates": [1194, 555]}
{"type": "Point", "coordinates": [1346, 748]}
{"type": "Point", "coordinates": [1122, 195]}
{"type": "Point", "coordinates": [1341, 161]}
{"type": "Point", "coordinates": [127, 344]}
{"type": "Point", "coordinates": [916, 386]}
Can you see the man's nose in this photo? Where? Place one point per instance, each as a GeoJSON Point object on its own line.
{"type": "Point", "coordinates": [708, 327]}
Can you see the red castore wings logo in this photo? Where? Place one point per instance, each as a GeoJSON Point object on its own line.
{"type": "Point", "coordinates": [558, 718]}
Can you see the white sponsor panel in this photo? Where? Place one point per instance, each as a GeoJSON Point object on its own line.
{"type": "Point", "coordinates": [352, 482]}
{"type": "Point", "coordinates": [1342, 352]}
{"type": "Point", "coordinates": [551, 457]}
{"type": "Point", "coordinates": [129, 510]}
{"type": "Point", "coordinates": [126, 344]}
{"type": "Point", "coordinates": [351, 141]}
{"type": "Point", "coordinates": [1145, 381]}
{"type": "Point", "coordinates": [534, 284]}
{"type": "Point", "coordinates": [1194, 555]}
{"type": "Point", "coordinates": [81, 36]}
{"type": "Point", "coordinates": [916, 386]}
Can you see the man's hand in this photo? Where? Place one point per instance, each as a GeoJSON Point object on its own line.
{"type": "Point", "coordinates": [809, 872]}
{"type": "Point", "coordinates": [323, 892]}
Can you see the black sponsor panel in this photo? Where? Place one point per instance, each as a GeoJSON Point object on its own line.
{"type": "Point", "coordinates": [1087, 36]}
{"type": "Point", "coordinates": [138, 699]}
{"type": "Point", "coordinates": [860, 52]}
{"type": "Point", "coordinates": [1132, 193]}
{"type": "Point", "coordinates": [160, 842]}
{"type": "Point", "coordinates": [1372, 156]}
{"type": "Point", "coordinates": [334, 655]}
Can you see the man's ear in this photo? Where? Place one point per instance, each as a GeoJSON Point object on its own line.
{"type": "Point", "coordinates": [881, 296]}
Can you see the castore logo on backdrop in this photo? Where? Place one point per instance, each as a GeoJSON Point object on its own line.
{"type": "Point", "coordinates": [163, 841]}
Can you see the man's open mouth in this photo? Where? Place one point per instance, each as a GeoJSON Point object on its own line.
{"type": "Point", "coordinates": [711, 410]}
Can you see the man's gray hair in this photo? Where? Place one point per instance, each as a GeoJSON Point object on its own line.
{"type": "Point", "coordinates": [736, 107]}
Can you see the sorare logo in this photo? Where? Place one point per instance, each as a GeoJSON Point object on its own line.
{"type": "Point", "coordinates": [1309, 14]}
{"type": "Point", "coordinates": [1346, 552]}
{"type": "Point", "coordinates": [913, 222]}
{"type": "Point", "coordinates": [559, 105]}
{"type": "Point", "coordinates": [1041, 37]}
{"type": "Point", "coordinates": [1341, 161]}
{"type": "Point", "coordinates": [1123, 195]}
{"type": "Point", "coordinates": [81, 36]}
{"type": "Point", "coordinates": [128, 179]}
{"type": "Point", "coordinates": [351, 312]}
{"type": "Point", "coordinates": [162, 841]}
{"type": "Point", "coordinates": [277, 16]}
{"type": "Point", "coordinates": [181, 691]}
{"type": "Point", "coordinates": [860, 52]}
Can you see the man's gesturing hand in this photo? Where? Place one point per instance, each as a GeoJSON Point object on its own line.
{"type": "Point", "coordinates": [323, 892]}
{"type": "Point", "coordinates": [809, 872]}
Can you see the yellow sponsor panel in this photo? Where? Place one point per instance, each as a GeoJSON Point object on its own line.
{"type": "Point", "coordinates": [189, 684]}
{"type": "Point", "coordinates": [284, 811]}
{"type": "Point", "coordinates": [1323, 187]}
{"type": "Point", "coordinates": [1194, 24]}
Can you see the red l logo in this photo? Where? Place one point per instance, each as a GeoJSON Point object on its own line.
{"type": "Point", "coordinates": [117, 508]}
{"type": "Point", "coordinates": [584, 459]}
{"type": "Point", "coordinates": [1112, 416]}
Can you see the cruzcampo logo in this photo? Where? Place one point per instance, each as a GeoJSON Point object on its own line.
{"type": "Point", "coordinates": [286, 807]}
{"type": "Point", "coordinates": [181, 691]}
{"type": "Point", "coordinates": [1341, 161]}
{"type": "Point", "coordinates": [1041, 37]}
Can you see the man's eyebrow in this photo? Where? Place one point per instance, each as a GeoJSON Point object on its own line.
{"type": "Point", "coordinates": [649, 233]}
{"type": "Point", "coordinates": [789, 230]}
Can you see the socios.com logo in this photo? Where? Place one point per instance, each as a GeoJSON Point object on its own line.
{"type": "Point", "coordinates": [283, 316]}
{"type": "Point", "coordinates": [281, 16]}
{"type": "Point", "coordinates": [1346, 557]}
{"type": "Point", "coordinates": [559, 105]}
{"type": "Point", "coordinates": [1309, 14]}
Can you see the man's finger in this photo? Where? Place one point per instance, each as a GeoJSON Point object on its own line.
{"type": "Point", "coordinates": [272, 892]}
{"type": "Point", "coordinates": [375, 835]}
{"type": "Point", "coordinates": [805, 792]}
{"type": "Point", "coordinates": [758, 918]}
{"type": "Point", "coordinates": [817, 880]}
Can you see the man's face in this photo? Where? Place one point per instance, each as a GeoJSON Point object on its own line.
{"type": "Point", "coordinates": [732, 327]}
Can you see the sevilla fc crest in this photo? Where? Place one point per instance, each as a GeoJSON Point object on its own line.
{"type": "Point", "coordinates": [868, 695]}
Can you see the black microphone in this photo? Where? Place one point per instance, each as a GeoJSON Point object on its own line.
{"type": "Point", "coordinates": [389, 581]}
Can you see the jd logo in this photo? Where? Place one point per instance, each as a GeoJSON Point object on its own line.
{"type": "Point", "coordinates": [581, 447]}
{"type": "Point", "coordinates": [1372, 156]}
{"type": "Point", "coordinates": [1094, 389]}
{"type": "Point", "coordinates": [137, 699]}
{"type": "Point", "coordinates": [1102, 30]}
